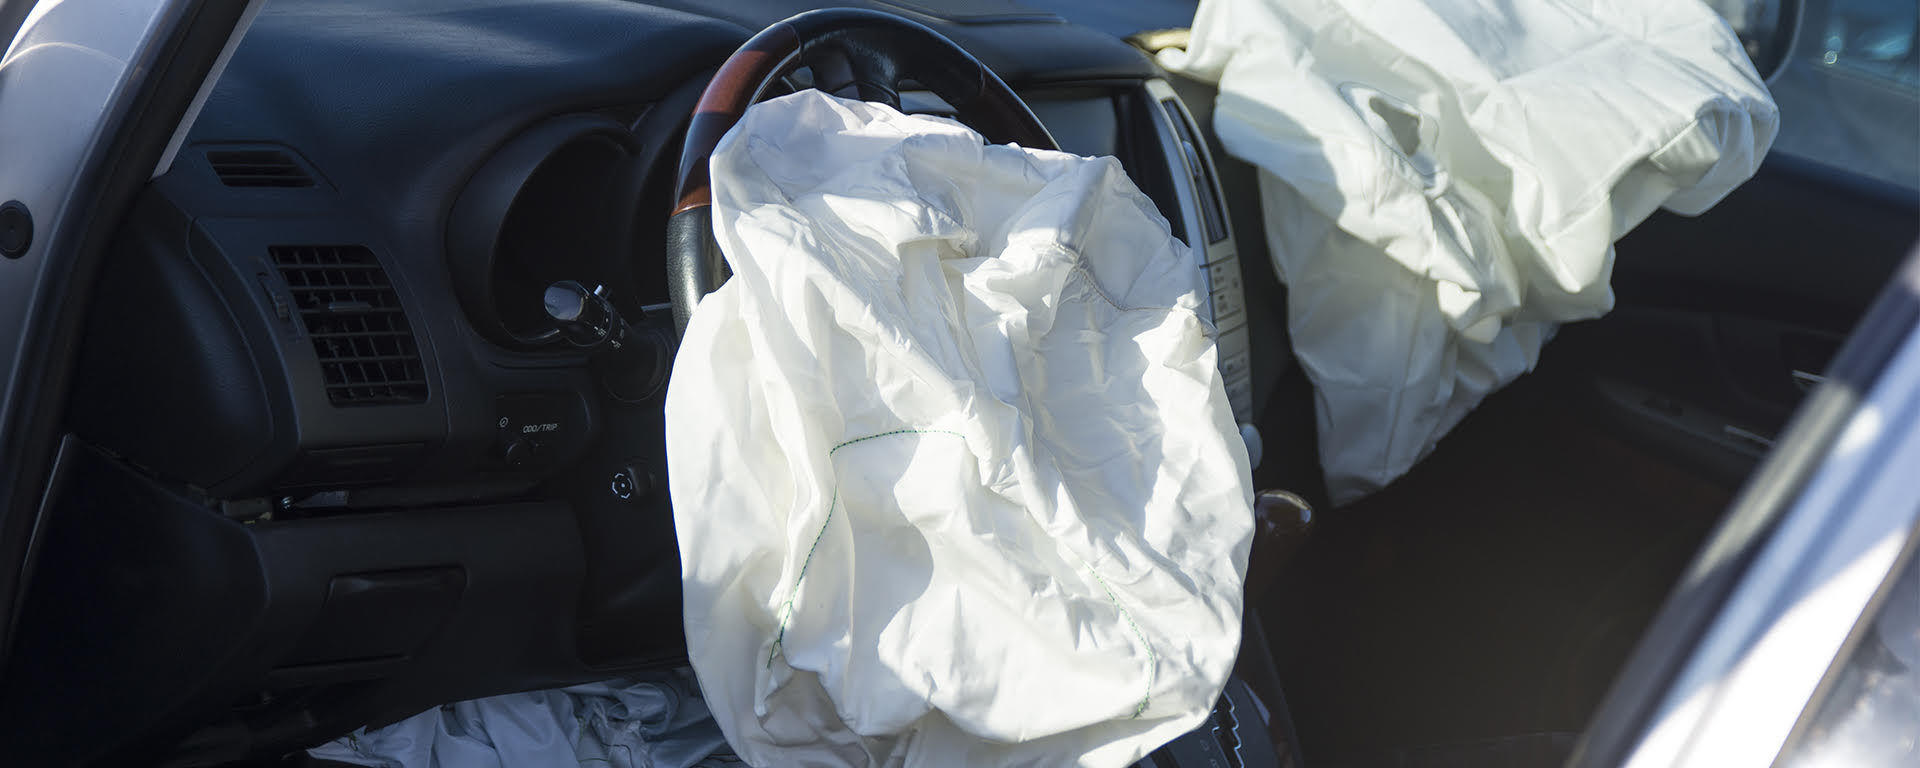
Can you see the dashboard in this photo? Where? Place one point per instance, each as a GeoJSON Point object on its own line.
{"type": "Point", "coordinates": [331, 464]}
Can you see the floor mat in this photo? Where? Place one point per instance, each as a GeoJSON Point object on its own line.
{"type": "Point", "coordinates": [1493, 591]}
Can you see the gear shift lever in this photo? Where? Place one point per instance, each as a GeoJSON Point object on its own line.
{"type": "Point", "coordinates": [1281, 523]}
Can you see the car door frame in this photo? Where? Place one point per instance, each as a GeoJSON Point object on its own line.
{"type": "Point", "coordinates": [1749, 636]}
{"type": "Point", "coordinates": [93, 95]}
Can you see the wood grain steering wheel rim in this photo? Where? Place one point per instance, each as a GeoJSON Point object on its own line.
{"type": "Point", "coordinates": [852, 53]}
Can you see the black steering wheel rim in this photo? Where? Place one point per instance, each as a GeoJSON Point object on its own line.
{"type": "Point", "coordinates": [854, 53]}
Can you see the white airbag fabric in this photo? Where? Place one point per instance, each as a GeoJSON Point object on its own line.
{"type": "Point", "coordinates": [1443, 181]}
{"type": "Point", "coordinates": [954, 474]}
{"type": "Point", "coordinates": [655, 722]}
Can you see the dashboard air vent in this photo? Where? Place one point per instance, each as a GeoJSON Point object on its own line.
{"type": "Point", "coordinates": [1226, 731]}
{"type": "Point", "coordinates": [258, 168]}
{"type": "Point", "coordinates": [360, 334]}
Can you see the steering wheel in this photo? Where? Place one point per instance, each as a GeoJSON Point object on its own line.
{"type": "Point", "coordinates": [852, 53]}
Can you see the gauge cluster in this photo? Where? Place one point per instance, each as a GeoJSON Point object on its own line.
{"type": "Point", "coordinates": [556, 203]}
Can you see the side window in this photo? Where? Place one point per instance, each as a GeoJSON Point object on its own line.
{"type": "Point", "coordinates": [1846, 76]}
{"type": "Point", "coordinates": [1873, 38]}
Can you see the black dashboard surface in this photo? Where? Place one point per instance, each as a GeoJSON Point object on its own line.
{"type": "Point", "coordinates": [395, 101]}
{"type": "Point", "coordinates": [402, 112]}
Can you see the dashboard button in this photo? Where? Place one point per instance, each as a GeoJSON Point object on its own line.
{"type": "Point", "coordinates": [623, 485]}
{"type": "Point", "coordinates": [518, 453]}
{"type": "Point", "coordinates": [1234, 366]}
{"type": "Point", "coordinates": [1223, 271]}
{"type": "Point", "coordinates": [1226, 303]}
